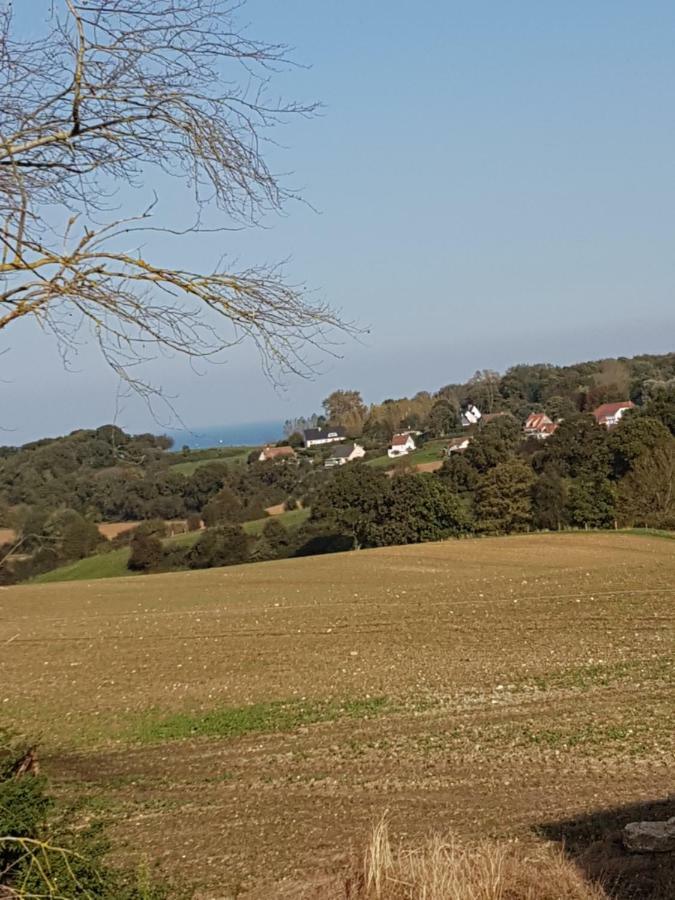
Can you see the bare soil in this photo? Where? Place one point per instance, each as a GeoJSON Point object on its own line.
{"type": "Point", "coordinates": [528, 687]}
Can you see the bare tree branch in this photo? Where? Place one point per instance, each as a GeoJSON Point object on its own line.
{"type": "Point", "coordinates": [113, 92]}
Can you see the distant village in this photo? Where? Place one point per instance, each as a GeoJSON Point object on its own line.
{"type": "Point", "coordinates": [537, 426]}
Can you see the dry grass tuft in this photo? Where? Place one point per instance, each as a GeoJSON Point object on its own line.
{"type": "Point", "coordinates": [446, 869]}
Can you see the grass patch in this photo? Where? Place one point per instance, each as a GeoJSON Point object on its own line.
{"type": "Point", "coordinates": [102, 565]}
{"type": "Point", "coordinates": [260, 718]}
{"type": "Point", "coordinates": [650, 532]}
{"type": "Point", "coordinates": [235, 456]}
{"type": "Point", "coordinates": [432, 451]}
{"type": "Point", "coordinates": [604, 674]}
{"type": "Point", "coordinates": [293, 518]}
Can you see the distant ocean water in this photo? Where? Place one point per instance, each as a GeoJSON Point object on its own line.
{"type": "Point", "coordinates": [250, 434]}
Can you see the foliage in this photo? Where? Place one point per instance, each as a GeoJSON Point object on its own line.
{"type": "Point", "coordinates": [647, 493]}
{"type": "Point", "coordinates": [493, 444]}
{"type": "Point", "coordinates": [661, 403]}
{"type": "Point", "coordinates": [378, 511]}
{"type": "Point", "coordinates": [146, 552]}
{"type": "Point", "coordinates": [579, 447]}
{"type": "Point", "coordinates": [194, 522]}
{"type": "Point", "coordinates": [549, 499]}
{"type": "Point", "coordinates": [443, 418]}
{"type": "Point", "coordinates": [421, 508]}
{"type": "Point", "coordinates": [274, 542]}
{"type": "Point", "coordinates": [633, 436]}
{"type": "Point", "coordinates": [503, 497]}
{"type": "Point", "coordinates": [591, 502]}
{"type": "Point", "coordinates": [223, 507]}
{"type": "Point", "coordinates": [43, 854]}
{"type": "Point", "coordinates": [227, 545]}
{"type": "Point", "coordinates": [355, 500]}
{"type": "Point", "coordinates": [346, 408]}
{"type": "Point", "coordinates": [459, 474]}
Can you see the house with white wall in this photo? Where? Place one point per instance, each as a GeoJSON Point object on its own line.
{"type": "Point", "coordinates": [610, 414]}
{"type": "Point", "coordinates": [343, 454]}
{"type": "Point", "coordinates": [401, 445]}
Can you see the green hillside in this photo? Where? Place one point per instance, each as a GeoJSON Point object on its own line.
{"type": "Point", "coordinates": [113, 564]}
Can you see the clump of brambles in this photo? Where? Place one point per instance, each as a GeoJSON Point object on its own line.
{"type": "Point", "coordinates": [45, 852]}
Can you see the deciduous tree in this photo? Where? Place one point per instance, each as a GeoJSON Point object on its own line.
{"type": "Point", "coordinates": [647, 493]}
{"type": "Point", "coordinates": [503, 498]}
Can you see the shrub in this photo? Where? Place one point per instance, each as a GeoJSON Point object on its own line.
{"type": "Point", "coordinates": [43, 854]}
{"type": "Point", "coordinates": [227, 545]}
{"type": "Point", "coordinates": [146, 552]}
{"type": "Point", "coordinates": [223, 508]}
{"type": "Point", "coordinates": [79, 538]}
{"type": "Point", "coordinates": [151, 528]}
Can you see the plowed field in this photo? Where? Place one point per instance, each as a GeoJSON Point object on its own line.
{"type": "Point", "coordinates": [244, 726]}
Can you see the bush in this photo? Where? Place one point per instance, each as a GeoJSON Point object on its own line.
{"type": "Point", "coordinates": [79, 537]}
{"type": "Point", "coordinates": [151, 528]}
{"type": "Point", "coordinates": [315, 538]}
{"type": "Point", "coordinates": [225, 507]}
{"type": "Point", "coordinates": [59, 859]}
{"type": "Point", "coordinates": [194, 522]}
{"type": "Point", "coordinates": [146, 552]}
{"type": "Point", "coordinates": [174, 556]}
{"type": "Point", "coordinates": [227, 545]}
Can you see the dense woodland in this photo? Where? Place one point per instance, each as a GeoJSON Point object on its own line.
{"type": "Point", "coordinates": [53, 492]}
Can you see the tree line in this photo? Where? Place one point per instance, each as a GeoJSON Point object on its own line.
{"type": "Point", "coordinates": [558, 391]}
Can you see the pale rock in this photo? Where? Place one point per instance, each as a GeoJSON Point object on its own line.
{"type": "Point", "coordinates": [650, 837]}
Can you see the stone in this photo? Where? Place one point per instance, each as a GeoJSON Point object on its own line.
{"type": "Point", "coordinates": [650, 837]}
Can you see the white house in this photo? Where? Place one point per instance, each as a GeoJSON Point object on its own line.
{"type": "Point", "coordinates": [457, 445]}
{"type": "Point", "coordinates": [344, 453]}
{"type": "Point", "coordinates": [470, 416]}
{"type": "Point", "coordinates": [314, 437]}
{"type": "Point", "coordinates": [610, 414]}
{"type": "Point", "coordinates": [539, 426]}
{"type": "Point", "coordinates": [401, 444]}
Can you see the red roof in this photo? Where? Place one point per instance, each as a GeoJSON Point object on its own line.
{"type": "Point", "coordinates": [537, 422]}
{"type": "Point", "coordinates": [611, 409]}
{"type": "Point", "coordinates": [400, 440]}
{"type": "Point", "coordinates": [274, 452]}
{"type": "Point", "coordinates": [549, 427]}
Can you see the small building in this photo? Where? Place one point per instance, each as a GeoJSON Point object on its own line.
{"type": "Point", "coordinates": [344, 453]}
{"type": "Point", "coordinates": [610, 414]}
{"type": "Point", "coordinates": [315, 437]}
{"type": "Point", "coordinates": [457, 445]}
{"type": "Point", "coordinates": [401, 445]}
{"type": "Point", "coordinates": [270, 453]}
{"type": "Point", "coordinates": [548, 430]}
{"type": "Point", "coordinates": [471, 415]}
{"type": "Point", "coordinates": [539, 426]}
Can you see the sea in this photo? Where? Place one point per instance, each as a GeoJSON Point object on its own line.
{"type": "Point", "coordinates": [251, 434]}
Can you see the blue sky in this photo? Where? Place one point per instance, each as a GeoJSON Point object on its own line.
{"type": "Point", "coordinates": [495, 183]}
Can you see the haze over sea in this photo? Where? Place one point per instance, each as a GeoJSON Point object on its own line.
{"type": "Point", "coordinates": [248, 434]}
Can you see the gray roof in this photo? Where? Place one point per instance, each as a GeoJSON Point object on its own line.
{"type": "Point", "coordinates": [342, 451]}
{"type": "Point", "coordinates": [318, 434]}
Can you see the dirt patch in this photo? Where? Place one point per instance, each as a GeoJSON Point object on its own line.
{"type": "Point", "coordinates": [429, 466]}
{"type": "Point", "coordinates": [276, 510]}
{"type": "Point", "coordinates": [112, 530]}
